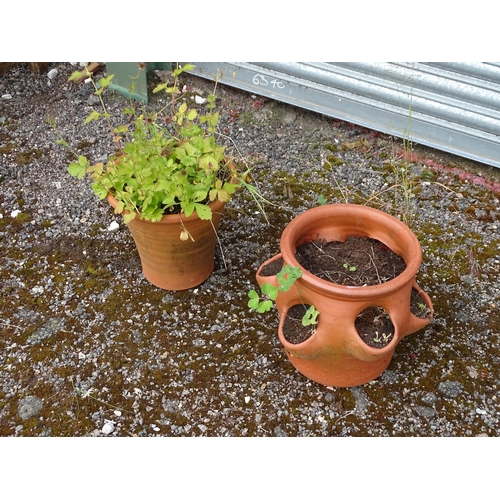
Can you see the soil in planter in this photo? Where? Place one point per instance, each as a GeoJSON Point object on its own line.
{"type": "Point", "coordinates": [375, 327]}
{"type": "Point", "coordinates": [418, 307]}
{"type": "Point", "coordinates": [272, 268]}
{"type": "Point", "coordinates": [355, 262]}
{"type": "Point", "coordinates": [293, 329]}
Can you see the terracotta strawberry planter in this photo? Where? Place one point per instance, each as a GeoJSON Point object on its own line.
{"type": "Point", "coordinates": [335, 355]}
{"type": "Point", "coordinates": [169, 262]}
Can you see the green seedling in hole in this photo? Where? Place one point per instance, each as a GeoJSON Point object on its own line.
{"type": "Point", "coordinates": [286, 278]}
{"type": "Point", "coordinates": [350, 268]}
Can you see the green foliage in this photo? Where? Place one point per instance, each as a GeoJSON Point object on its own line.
{"type": "Point", "coordinates": [321, 200]}
{"type": "Point", "coordinates": [348, 267]}
{"type": "Point", "coordinates": [166, 162]}
{"type": "Point", "coordinates": [286, 279]}
{"type": "Point", "coordinates": [310, 317]}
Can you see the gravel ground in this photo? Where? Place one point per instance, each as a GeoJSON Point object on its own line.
{"type": "Point", "coordinates": [89, 348]}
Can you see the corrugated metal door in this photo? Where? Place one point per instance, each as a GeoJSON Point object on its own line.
{"type": "Point", "coordinates": [454, 107]}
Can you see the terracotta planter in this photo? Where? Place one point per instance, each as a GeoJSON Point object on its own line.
{"type": "Point", "coordinates": [336, 355]}
{"type": "Point", "coordinates": [167, 261]}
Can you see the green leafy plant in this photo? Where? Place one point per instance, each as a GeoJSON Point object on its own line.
{"type": "Point", "coordinates": [166, 162]}
{"type": "Point", "coordinates": [286, 278]}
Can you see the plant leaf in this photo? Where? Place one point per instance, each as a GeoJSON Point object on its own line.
{"type": "Point", "coordinates": [253, 303]}
{"type": "Point", "coordinates": [270, 290]}
{"type": "Point", "coordinates": [95, 115]}
{"type": "Point", "coordinates": [204, 212]}
{"type": "Point", "coordinates": [265, 306]}
{"type": "Point", "coordinates": [104, 82]}
{"type": "Point", "coordinates": [76, 169]}
{"type": "Point", "coordinates": [310, 317]}
{"type": "Point", "coordinates": [128, 217]}
{"type": "Point", "coordinates": [99, 190]}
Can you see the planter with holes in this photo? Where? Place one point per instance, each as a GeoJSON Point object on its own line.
{"type": "Point", "coordinates": [337, 352]}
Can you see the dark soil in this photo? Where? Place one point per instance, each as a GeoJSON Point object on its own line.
{"type": "Point", "coordinates": [272, 268]}
{"type": "Point", "coordinates": [293, 329]}
{"type": "Point", "coordinates": [375, 327]}
{"type": "Point", "coordinates": [418, 307]}
{"type": "Point", "coordinates": [355, 262]}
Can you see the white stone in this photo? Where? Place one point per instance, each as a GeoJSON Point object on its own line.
{"type": "Point", "coordinates": [15, 213]}
{"type": "Point", "coordinates": [199, 100]}
{"type": "Point", "coordinates": [118, 413]}
{"type": "Point", "coordinates": [113, 226]}
{"type": "Point", "coordinates": [247, 399]}
{"type": "Point", "coordinates": [81, 355]}
{"type": "Point", "coordinates": [52, 73]}
{"type": "Point", "coordinates": [7, 96]}
{"type": "Point", "coordinates": [108, 428]}
{"type": "Point", "coordinates": [37, 289]}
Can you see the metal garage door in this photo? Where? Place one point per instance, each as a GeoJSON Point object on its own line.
{"type": "Point", "coordinates": [454, 107]}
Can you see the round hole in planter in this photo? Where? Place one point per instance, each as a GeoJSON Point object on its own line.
{"type": "Point", "coordinates": [418, 306]}
{"type": "Point", "coordinates": [374, 327]}
{"type": "Point", "coordinates": [293, 329]}
{"type": "Point", "coordinates": [273, 268]}
{"type": "Point", "coordinates": [357, 261]}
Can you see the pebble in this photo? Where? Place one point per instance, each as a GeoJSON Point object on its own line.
{"type": "Point", "coordinates": [425, 411]}
{"type": "Point", "coordinates": [29, 407]}
{"type": "Point", "coordinates": [450, 388]}
{"type": "Point", "coordinates": [52, 73]}
{"type": "Point", "coordinates": [108, 428]}
{"type": "Point", "coordinates": [113, 226]}
{"type": "Point", "coordinates": [7, 96]}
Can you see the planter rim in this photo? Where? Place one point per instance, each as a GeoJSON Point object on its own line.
{"type": "Point", "coordinates": [298, 227]}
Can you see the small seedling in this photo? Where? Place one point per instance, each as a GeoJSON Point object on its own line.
{"type": "Point", "coordinates": [286, 278]}
{"type": "Point", "coordinates": [348, 267]}
{"type": "Point", "coordinates": [384, 338]}
{"type": "Point", "coordinates": [310, 317]}
{"type": "Point", "coordinates": [321, 200]}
